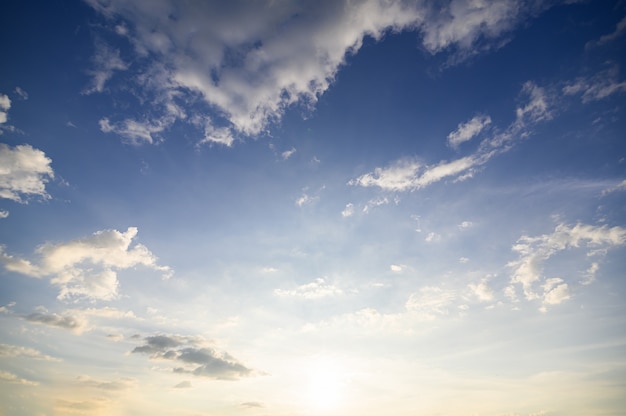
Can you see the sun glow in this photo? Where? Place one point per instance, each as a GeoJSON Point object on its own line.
{"type": "Point", "coordinates": [326, 385]}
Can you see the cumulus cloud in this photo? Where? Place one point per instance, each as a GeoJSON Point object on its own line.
{"type": "Point", "coordinates": [24, 172]}
{"type": "Point", "coordinates": [319, 288]}
{"type": "Point", "coordinates": [3, 213]}
{"type": "Point", "coordinates": [193, 356]}
{"type": "Point", "coordinates": [87, 267]}
{"type": "Point", "coordinates": [249, 61]}
{"type": "Point", "coordinates": [468, 130]}
{"type": "Point", "coordinates": [533, 252]}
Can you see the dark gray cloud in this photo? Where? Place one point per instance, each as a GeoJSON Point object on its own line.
{"type": "Point", "coordinates": [73, 323]}
{"type": "Point", "coordinates": [195, 358]}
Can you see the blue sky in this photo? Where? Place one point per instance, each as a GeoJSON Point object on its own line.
{"type": "Point", "coordinates": [312, 208]}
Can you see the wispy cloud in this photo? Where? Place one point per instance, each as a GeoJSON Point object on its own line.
{"type": "Point", "coordinates": [319, 288]}
{"type": "Point", "coordinates": [408, 174]}
{"type": "Point", "coordinates": [598, 86]}
{"type": "Point", "coordinates": [16, 351]}
{"type": "Point", "coordinates": [468, 130]}
{"type": "Point", "coordinates": [535, 251]}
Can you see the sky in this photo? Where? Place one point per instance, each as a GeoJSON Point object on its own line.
{"type": "Point", "coordinates": [313, 208]}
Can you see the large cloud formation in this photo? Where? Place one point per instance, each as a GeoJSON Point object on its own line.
{"type": "Point", "coordinates": [249, 61]}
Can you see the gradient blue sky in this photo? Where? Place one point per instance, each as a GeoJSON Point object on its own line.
{"type": "Point", "coordinates": [313, 208]}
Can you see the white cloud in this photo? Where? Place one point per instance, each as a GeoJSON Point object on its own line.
{"type": "Point", "coordinates": [348, 211]}
{"type": "Point", "coordinates": [3, 213]}
{"type": "Point", "coordinates": [597, 87]}
{"type": "Point", "coordinates": [465, 225]}
{"type": "Point", "coordinates": [24, 171]}
{"type": "Point", "coordinates": [481, 290]}
{"type": "Point", "coordinates": [430, 301]}
{"type": "Point", "coordinates": [397, 268]}
{"type": "Point", "coordinates": [432, 237]}
{"type": "Point", "coordinates": [106, 61]}
{"type": "Point", "coordinates": [87, 267]}
{"type": "Point", "coordinates": [463, 260]}
{"type": "Point", "coordinates": [288, 153]}
{"type": "Point", "coordinates": [252, 60]}
{"type": "Point", "coordinates": [619, 187]}
{"type": "Point", "coordinates": [5, 105]}
{"type": "Point", "coordinates": [555, 291]}
{"type": "Point", "coordinates": [409, 174]}
{"type": "Point", "coordinates": [319, 288]}
{"type": "Point", "coordinates": [468, 130]}
{"type": "Point", "coordinates": [136, 132]}
{"type": "Point", "coordinates": [535, 251]}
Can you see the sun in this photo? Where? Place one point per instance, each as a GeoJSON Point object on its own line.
{"type": "Point", "coordinates": [326, 385]}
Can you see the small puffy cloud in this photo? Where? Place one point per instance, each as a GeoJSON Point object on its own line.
{"type": "Point", "coordinates": [468, 130]}
{"type": "Point", "coordinates": [397, 268]}
{"type": "Point", "coordinates": [597, 87]}
{"type": "Point", "coordinates": [5, 105]}
{"type": "Point", "coordinates": [87, 267]}
{"type": "Point", "coordinates": [3, 213]}
{"type": "Point", "coordinates": [463, 260]}
{"type": "Point", "coordinates": [74, 323]}
{"type": "Point", "coordinates": [481, 290]}
{"type": "Point", "coordinates": [288, 153]}
{"type": "Point", "coordinates": [533, 252]}
{"type": "Point", "coordinates": [24, 172]}
{"type": "Point", "coordinates": [432, 237]}
{"type": "Point", "coordinates": [193, 357]}
{"type": "Point", "coordinates": [465, 225]}
{"type": "Point", "coordinates": [348, 211]}
{"type": "Point", "coordinates": [319, 288]}
{"type": "Point", "coordinates": [8, 377]}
